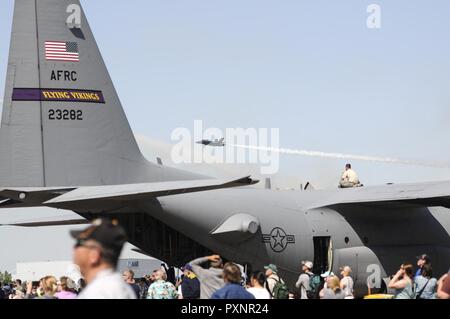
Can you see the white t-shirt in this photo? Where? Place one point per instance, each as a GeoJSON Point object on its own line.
{"type": "Point", "coordinates": [347, 282]}
{"type": "Point", "coordinates": [259, 293]}
{"type": "Point", "coordinates": [350, 176]}
{"type": "Point", "coordinates": [180, 292]}
{"type": "Point", "coordinates": [303, 284]}
{"type": "Point", "coordinates": [108, 285]}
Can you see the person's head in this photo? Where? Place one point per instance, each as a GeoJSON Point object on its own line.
{"type": "Point", "coordinates": [66, 284]}
{"type": "Point", "coordinates": [7, 289]}
{"type": "Point", "coordinates": [128, 275]}
{"type": "Point", "coordinates": [326, 275]}
{"type": "Point", "coordinates": [307, 266]}
{"type": "Point", "coordinates": [345, 271]}
{"type": "Point", "coordinates": [98, 246]}
{"type": "Point", "coordinates": [423, 260]}
{"type": "Point", "coordinates": [18, 283]}
{"type": "Point", "coordinates": [427, 271]}
{"type": "Point", "coordinates": [187, 269]}
{"type": "Point", "coordinates": [82, 284]}
{"type": "Point", "coordinates": [333, 283]}
{"type": "Point", "coordinates": [408, 270]}
{"type": "Point", "coordinates": [348, 166]}
{"type": "Point", "coordinates": [34, 290]}
{"type": "Point", "coordinates": [41, 282]}
{"type": "Point", "coordinates": [142, 282]}
{"type": "Point", "coordinates": [153, 275]}
{"type": "Point", "coordinates": [216, 263]}
{"type": "Point", "coordinates": [160, 275]}
{"type": "Point", "coordinates": [232, 273]}
{"type": "Point", "coordinates": [271, 270]}
{"type": "Point", "coordinates": [258, 279]}
{"type": "Point", "coordinates": [49, 285]}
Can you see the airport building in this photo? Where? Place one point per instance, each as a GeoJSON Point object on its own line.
{"type": "Point", "coordinates": [33, 271]}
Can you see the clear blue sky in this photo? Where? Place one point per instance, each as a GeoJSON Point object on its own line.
{"type": "Point", "coordinates": [311, 68]}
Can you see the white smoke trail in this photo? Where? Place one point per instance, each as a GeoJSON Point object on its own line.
{"type": "Point", "coordinates": [345, 156]}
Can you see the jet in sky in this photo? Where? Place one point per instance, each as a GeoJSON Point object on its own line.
{"type": "Point", "coordinates": [215, 143]}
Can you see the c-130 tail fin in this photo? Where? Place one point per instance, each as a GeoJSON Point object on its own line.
{"type": "Point", "coordinates": [62, 122]}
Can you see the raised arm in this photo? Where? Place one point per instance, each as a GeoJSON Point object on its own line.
{"type": "Point", "coordinates": [396, 282]}
{"type": "Point", "coordinates": [198, 269]}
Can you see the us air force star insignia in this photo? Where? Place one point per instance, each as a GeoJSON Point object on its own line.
{"type": "Point", "coordinates": [278, 239]}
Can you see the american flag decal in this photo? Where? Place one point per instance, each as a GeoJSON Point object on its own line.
{"type": "Point", "coordinates": [62, 51]}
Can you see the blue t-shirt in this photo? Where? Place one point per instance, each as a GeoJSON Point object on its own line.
{"type": "Point", "coordinates": [428, 286]}
{"type": "Point", "coordinates": [232, 291]}
{"type": "Point", "coordinates": [418, 272]}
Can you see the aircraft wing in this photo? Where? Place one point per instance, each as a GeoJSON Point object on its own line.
{"type": "Point", "coordinates": [66, 222]}
{"type": "Point", "coordinates": [389, 196]}
{"type": "Point", "coordinates": [132, 192]}
{"type": "Point", "coordinates": [29, 196]}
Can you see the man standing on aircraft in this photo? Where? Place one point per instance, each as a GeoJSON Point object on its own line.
{"type": "Point", "coordinates": [97, 252]}
{"type": "Point", "coordinates": [349, 178]}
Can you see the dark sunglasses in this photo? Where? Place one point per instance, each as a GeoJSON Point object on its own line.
{"type": "Point", "coordinates": [82, 243]}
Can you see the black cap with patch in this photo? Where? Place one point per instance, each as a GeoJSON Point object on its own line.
{"type": "Point", "coordinates": [104, 231]}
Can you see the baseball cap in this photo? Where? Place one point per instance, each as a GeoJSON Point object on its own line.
{"type": "Point", "coordinates": [308, 264]}
{"type": "Point", "coordinates": [187, 267]}
{"type": "Point", "coordinates": [70, 283]}
{"type": "Point", "coordinates": [424, 257]}
{"type": "Point", "coordinates": [106, 232]}
{"type": "Point", "coordinates": [271, 267]}
{"type": "Point", "coordinates": [327, 274]}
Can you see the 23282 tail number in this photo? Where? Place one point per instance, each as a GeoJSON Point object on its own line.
{"type": "Point", "coordinates": [65, 115]}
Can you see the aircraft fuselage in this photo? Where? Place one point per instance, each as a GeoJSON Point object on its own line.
{"type": "Point", "coordinates": [374, 242]}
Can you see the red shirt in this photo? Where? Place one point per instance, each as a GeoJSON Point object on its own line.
{"type": "Point", "coordinates": [446, 284]}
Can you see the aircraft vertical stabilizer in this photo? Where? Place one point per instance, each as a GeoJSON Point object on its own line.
{"type": "Point", "coordinates": [63, 123]}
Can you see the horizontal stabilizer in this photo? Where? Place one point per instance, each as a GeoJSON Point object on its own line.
{"type": "Point", "coordinates": [141, 191]}
{"type": "Point", "coordinates": [50, 223]}
{"type": "Point", "coordinates": [29, 196]}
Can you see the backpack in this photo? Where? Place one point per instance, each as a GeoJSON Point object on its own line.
{"type": "Point", "coordinates": [280, 290]}
{"type": "Point", "coordinates": [314, 284]}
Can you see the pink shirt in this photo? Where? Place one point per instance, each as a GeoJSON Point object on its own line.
{"type": "Point", "coordinates": [65, 295]}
